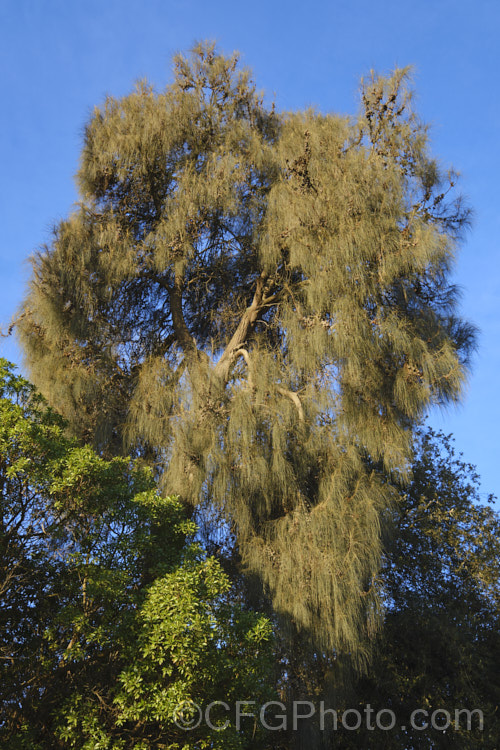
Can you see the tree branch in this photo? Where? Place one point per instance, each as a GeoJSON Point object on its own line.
{"type": "Point", "coordinates": [293, 397]}
{"type": "Point", "coordinates": [245, 326]}
{"type": "Point", "coordinates": [243, 353]}
{"type": "Point", "coordinates": [184, 338]}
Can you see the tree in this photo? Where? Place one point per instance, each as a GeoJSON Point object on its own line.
{"type": "Point", "coordinates": [259, 304]}
{"type": "Point", "coordinates": [111, 615]}
{"type": "Point", "coordinates": [440, 644]}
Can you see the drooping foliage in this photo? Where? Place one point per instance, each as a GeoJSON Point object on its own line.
{"type": "Point", "coordinates": [260, 304]}
{"type": "Point", "coordinates": [438, 649]}
{"type": "Point", "coordinates": [111, 617]}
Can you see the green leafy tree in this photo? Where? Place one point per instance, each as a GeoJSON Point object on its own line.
{"type": "Point", "coordinates": [259, 303]}
{"type": "Point", "coordinates": [440, 645]}
{"type": "Point", "coordinates": [111, 616]}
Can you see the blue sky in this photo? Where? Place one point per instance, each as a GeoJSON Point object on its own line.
{"type": "Point", "coordinates": [61, 57]}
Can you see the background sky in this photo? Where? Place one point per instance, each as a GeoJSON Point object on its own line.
{"type": "Point", "coordinates": [59, 58]}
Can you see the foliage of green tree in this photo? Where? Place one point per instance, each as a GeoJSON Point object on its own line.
{"type": "Point", "coordinates": [440, 644]}
{"type": "Point", "coordinates": [111, 615]}
{"type": "Point", "coordinates": [258, 302]}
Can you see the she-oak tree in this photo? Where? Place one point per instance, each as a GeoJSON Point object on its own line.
{"type": "Point", "coordinates": [260, 304]}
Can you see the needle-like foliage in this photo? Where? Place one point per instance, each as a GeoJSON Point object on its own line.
{"type": "Point", "coordinates": [258, 302]}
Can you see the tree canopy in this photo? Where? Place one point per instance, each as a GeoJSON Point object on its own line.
{"type": "Point", "coordinates": [111, 616]}
{"type": "Point", "coordinates": [259, 304]}
{"type": "Point", "coordinates": [439, 648]}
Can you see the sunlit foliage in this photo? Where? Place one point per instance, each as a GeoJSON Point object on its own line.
{"type": "Point", "coordinates": [111, 616]}
{"type": "Point", "coordinates": [258, 303]}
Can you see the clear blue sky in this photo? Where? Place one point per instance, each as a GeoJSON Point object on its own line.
{"type": "Point", "coordinates": [60, 57]}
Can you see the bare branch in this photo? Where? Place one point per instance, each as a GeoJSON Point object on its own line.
{"type": "Point", "coordinates": [14, 323]}
{"type": "Point", "coordinates": [182, 333]}
{"type": "Point", "coordinates": [244, 353]}
{"type": "Point", "coordinates": [245, 326]}
{"type": "Point", "coordinates": [293, 397]}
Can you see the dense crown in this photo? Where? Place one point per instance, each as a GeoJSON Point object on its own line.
{"type": "Point", "coordinates": [258, 302]}
{"type": "Point", "coordinates": [111, 616]}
